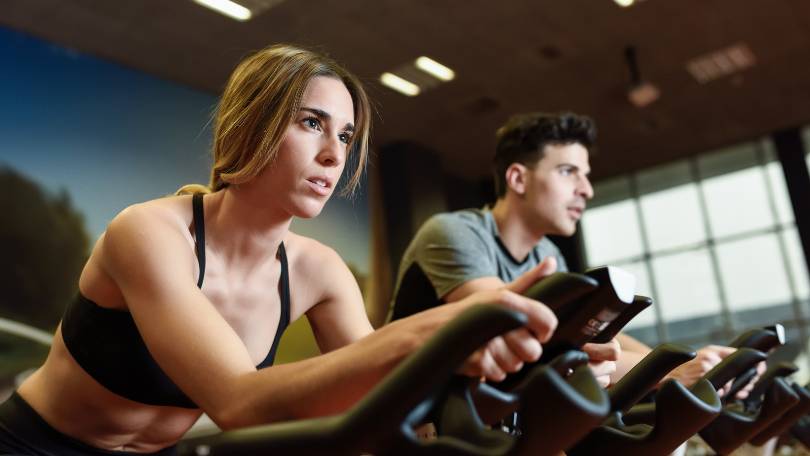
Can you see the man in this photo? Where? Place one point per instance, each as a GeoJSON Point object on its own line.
{"type": "Point", "coordinates": [541, 169]}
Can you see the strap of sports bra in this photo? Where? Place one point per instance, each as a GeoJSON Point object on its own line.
{"type": "Point", "coordinates": [285, 293]}
{"type": "Point", "coordinates": [199, 234]}
{"type": "Point", "coordinates": [284, 318]}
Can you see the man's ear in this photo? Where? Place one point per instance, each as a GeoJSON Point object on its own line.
{"type": "Point", "coordinates": [516, 175]}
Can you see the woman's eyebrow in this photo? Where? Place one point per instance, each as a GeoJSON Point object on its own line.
{"type": "Point", "coordinates": [327, 117]}
{"type": "Point", "coordinates": [318, 112]}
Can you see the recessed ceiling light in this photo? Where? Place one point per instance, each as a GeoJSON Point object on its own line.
{"type": "Point", "coordinates": [402, 86]}
{"type": "Point", "coordinates": [435, 68]}
{"type": "Point", "coordinates": [228, 8]}
{"type": "Point", "coordinates": [624, 3]}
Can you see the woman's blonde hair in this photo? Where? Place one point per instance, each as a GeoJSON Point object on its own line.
{"type": "Point", "coordinates": [261, 99]}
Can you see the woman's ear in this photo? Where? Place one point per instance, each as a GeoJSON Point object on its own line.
{"type": "Point", "coordinates": [516, 178]}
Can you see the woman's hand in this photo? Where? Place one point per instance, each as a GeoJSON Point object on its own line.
{"type": "Point", "coordinates": [507, 353]}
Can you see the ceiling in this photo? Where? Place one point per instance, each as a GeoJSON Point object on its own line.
{"type": "Point", "coordinates": [509, 56]}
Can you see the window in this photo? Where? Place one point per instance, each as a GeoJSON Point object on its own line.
{"type": "Point", "coordinates": [754, 272]}
{"type": "Point", "coordinates": [687, 286]}
{"type": "Point", "coordinates": [711, 239]}
{"type": "Point", "coordinates": [778, 188]}
{"type": "Point", "coordinates": [672, 218]}
{"type": "Point", "coordinates": [797, 263]}
{"type": "Point", "coordinates": [737, 202]}
{"type": "Point", "coordinates": [621, 240]}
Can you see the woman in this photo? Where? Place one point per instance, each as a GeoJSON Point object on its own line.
{"type": "Point", "coordinates": [182, 296]}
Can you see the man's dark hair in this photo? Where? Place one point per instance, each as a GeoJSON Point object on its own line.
{"type": "Point", "coordinates": [524, 137]}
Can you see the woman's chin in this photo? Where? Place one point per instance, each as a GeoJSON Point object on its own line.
{"type": "Point", "coordinates": [308, 211]}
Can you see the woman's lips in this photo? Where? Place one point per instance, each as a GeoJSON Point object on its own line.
{"type": "Point", "coordinates": [320, 186]}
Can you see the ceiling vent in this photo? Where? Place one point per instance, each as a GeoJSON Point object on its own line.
{"type": "Point", "coordinates": [721, 63]}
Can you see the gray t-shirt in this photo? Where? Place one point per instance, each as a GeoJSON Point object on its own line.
{"type": "Point", "coordinates": [453, 248]}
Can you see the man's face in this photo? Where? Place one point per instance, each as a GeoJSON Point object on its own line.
{"type": "Point", "coordinates": [557, 188]}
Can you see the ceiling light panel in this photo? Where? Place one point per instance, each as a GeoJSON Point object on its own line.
{"type": "Point", "coordinates": [399, 84]}
{"type": "Point", "coordinates": [435, 69]}
{"type": "Point", "coordinates": [227, 8]}
{"type": "Point", "coordinates": [241, 10]}
{"type": "Point", "coordinates": [419, 75]}
{"type": "Point", "coordinates": [720, 63]}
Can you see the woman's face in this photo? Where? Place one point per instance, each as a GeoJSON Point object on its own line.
{"type": "Point", "coordinates": [313, 152]}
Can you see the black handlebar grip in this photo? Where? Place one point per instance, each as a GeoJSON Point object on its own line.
{"type": "Point", "coordinates": [781, 369]}
{"type": "Point", "coordinates": [762, 339]}
{"type": "Point", "coordinates": [734, 365]}
{"type": "Point", "coordinates": [645, 375]}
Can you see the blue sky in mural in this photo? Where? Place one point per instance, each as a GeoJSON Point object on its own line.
{"type": "Point", "coordinates": [112, 136]}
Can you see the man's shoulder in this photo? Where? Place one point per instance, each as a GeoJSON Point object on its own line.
{"type": "Point", "coordinates": [471, 218]}
{"type": "Point", "coordinates": [459, 231]}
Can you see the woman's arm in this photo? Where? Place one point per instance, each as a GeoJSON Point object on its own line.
{"type": "Point", "coordinates": [338, 317]}
{"type": "Point", "coordinates": [147, 256]}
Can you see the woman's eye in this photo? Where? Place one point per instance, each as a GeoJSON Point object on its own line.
{"type": "Point", "coordinates": [345, 138]}
{"type": "Point", "coordinates": [313, 123]}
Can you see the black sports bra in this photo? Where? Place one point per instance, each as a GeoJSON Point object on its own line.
{"type": "Point", "coordinates": [107, 345]}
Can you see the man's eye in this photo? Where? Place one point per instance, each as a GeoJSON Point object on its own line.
{"type": "Point", "coordinates": [566, 171]}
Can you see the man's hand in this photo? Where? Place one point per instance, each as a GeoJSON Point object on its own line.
{"type": "Point", "coordinates": [527, 279]}
{"type": "Point", "coordinates": [743, 393]}
{"type": "Point", "coordinates": [603, 360]}
{"type": "Point", "coordinates": [707, 357]}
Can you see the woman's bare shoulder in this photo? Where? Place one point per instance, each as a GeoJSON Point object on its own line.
{"type": "Point", "coordinates": [157, 221]}
{"type": "Point", "coordinates": [172, 214]}
{"type": "Point", "coordinates": [155, 231]}
{"type": "Point", "coordinates": [169, 209]}
{"type": "Point", "coordinates": [309, 255]}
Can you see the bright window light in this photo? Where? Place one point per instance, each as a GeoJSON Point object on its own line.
{"type": "Point", "coordinates": [624, 3]}
{"type": "Point", "coordinates": [228, 8]}
{"type": "Point", "coordinates": [400, 85]}
{"type": "Point", "coordinates": [435, 69]}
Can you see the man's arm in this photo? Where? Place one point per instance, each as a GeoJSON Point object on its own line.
{"type": "Point", "coordinates": [519, 285]}
{"type": "Point", "coordinates": [632, 351]}
{"type": "Point", "coordinates": [688, 373]}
